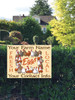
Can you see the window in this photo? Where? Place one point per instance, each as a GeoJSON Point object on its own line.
{"type": "Point", "coordinates": [36, 19]}
{"type": "Point", "coordinates": [44, 29]}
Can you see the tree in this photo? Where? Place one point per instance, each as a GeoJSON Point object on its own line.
{"type": "Point", "coordinates": [63, 28]}
{"type": "Point", "coordinates": [30, 28]}
{"type": "Point", "coordinates": [40, 8]}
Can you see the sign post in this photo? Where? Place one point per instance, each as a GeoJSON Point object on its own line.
{"type": "Point", "coordinates": [29, 61]}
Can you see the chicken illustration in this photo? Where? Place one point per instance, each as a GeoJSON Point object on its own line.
{"type": "Point", "coordinates": [31, 70]}
{"type": "Point", "coordinates": [41, 59]}
{"type": "Point", "coordinates": [40, 55]}
{"type": "Point", "coordinates": [16, 69]}
{"type": "Point", "coordinates": [38, 58]}
{"type": "Point", "coordinates": [20, 68]}
{"type": "Point", "coordinates": [28, 53]}
{"type": "Point", "coordinates": [19, 60]}
{"type": "Point", "coordinates": [16, 59]}
{"type": "Point", "coordinates": [27, 70]}
{"type": "Point", "coordinates": [39, 63]}
{"type": "Point", "coordinates": [23, 70]}
{"type": "Point", "coordinates": [21, 53]}
{"type": "Point", "coordinates": [32, 53]}
{"type": "Point", "coordinates": [35, 71]}
{"type": "Point", "coordinates": [24, 52]}
{"type": "Point", "coordinates": [18, 65]}
{"type": "Point", "coordinates": [40, 52]}
{"type": "Point", "coordinates": [40, 70]}
{"type": "Point", "coordinates": [17, 53]}
{"type": "Point", "coordinates": [36, 53]}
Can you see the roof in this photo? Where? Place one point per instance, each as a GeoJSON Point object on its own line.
{"type": "Point", "coordinates": [43, 19]}
{"type": "Point", "coordinates": [18, 18]}
{"type": "Point", "coordinates": [46, 19]}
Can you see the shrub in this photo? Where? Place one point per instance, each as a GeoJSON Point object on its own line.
{"type": "Point", "coordinates": [51, 40]}
{"type": "Point", "coordinates": [12, 40]}
{"type": "Point", "coordinates": [4, 24]}
{"type": "Point", "coordinates": [8, 42]}
{"type": "Point", "coordinates": [9, 39]}
{"type": "Point", "coordinates": [60, 87]}
{"type": "Point", "coordinates": [8, 25]}
{"type": "Point", "coordinates": [5, 42]}
{"type": "Point", "coordinates": [44, 42]}
{"type": "Point", "coordinates": [35, 39]}
{"type": "Point", "coordinates": [16, 34]}
{"type": "Point", "coordinates": [2, 42]}
{"type": "Point", "coordinates": [16, 40]}
{"type": "Point", "coordinates": [3, 34]}
{"type": "Point", "coordinates": [28, 27]}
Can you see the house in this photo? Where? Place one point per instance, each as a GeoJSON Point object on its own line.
{"type": "Point", "coordinates": [42, 20]}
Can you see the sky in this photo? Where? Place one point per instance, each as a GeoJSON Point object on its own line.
{"type": "Point", "coordinates": [10, 8]}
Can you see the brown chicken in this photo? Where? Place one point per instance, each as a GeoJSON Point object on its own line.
{"type": "Point", "coordinates": [24, 52]}
{"type": "Point", "coordinates": [28, 53]}
{"type": "Point", "coordinates": [40, 52]}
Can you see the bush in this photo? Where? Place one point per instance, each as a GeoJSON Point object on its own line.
{"type": "Point", "coordinates": [35, 39]}
{"type": "Point", "coordinates": [3, 34]}
{"type": "Point", "coordinates": [51, 40]}
{"type": "Point", "coordinates": [5, 42]}
{"type": "Point", "coordinates": [8, 25]}
{"type": "Point", "coordinates": [60, 87]}
{"type": "Point", "coordinates": [16, 40]}
{"type": "Point", "coordinates": [28, 27]}
{"type": "Point", "coordinates": [9, 39]}
{"type": "Point", "coordinates": [16, 34]}
{"type": "Point", "coordinates": [4, 24]}
{"type": "Point", "coordinates": [43, 42]}
{"type": "Point", "coordinates": [12, 40]}
{"type": "Point", "coordinates": [2, 42]}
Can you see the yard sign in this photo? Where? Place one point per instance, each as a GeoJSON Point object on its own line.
{"type": "Point", "coordinates": [29, 61]}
